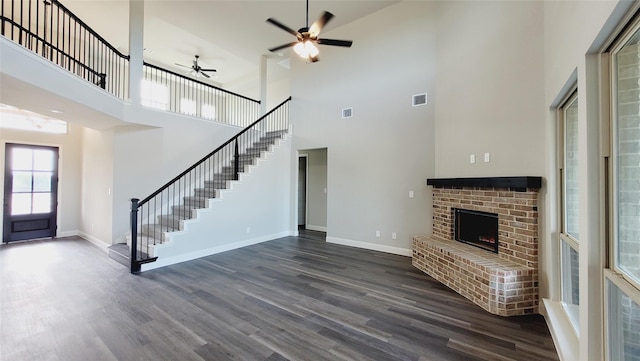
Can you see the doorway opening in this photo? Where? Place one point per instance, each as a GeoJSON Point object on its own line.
{"type": "Point", "coordinates": [30, 192]}
{"type": "Point", "coordinates": [312, 194]}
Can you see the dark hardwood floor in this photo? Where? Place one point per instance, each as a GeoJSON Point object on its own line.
{"type": "Point", "coordinates": [296, 298]}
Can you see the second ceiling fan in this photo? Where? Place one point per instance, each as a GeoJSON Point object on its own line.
{"type": "Point", "coordinates": [196, 69]}
{"type": "Point", "coordinates": [307, 37]}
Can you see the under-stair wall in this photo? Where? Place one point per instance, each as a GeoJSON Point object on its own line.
{"type": "Point", "coordinates": [254, 209]}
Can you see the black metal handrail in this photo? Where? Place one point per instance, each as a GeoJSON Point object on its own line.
{"type": "Point", "coordinates": [193, 97]}
{"type": "Point", "coordinates": [164, 208]}
{"type": "Point", "coordinates": [49, 29]}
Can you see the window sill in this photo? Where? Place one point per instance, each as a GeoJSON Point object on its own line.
{"type": "Point", "coordinates": [563, 334]}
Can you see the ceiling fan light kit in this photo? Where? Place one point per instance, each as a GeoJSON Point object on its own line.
{"type": "Point", "coordinates": [307, 37]}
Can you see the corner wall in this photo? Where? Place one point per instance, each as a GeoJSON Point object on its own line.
{"type": "Point", "coordinates": [386, 149]}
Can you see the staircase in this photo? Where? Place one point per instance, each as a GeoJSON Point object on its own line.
{"type": "Point", "coordinates": [157, 233]}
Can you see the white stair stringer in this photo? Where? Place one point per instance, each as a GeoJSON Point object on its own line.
{"type": "Point", "coordinates": [253, 209]}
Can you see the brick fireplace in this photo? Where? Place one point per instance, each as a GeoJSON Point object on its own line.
{"type": "Point", "coordinates": [505, 283]}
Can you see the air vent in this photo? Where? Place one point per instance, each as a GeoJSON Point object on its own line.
{"type": "Point", "coordinates": [419, 99]}
{"type": "Point", "coordinates": [347, 113]}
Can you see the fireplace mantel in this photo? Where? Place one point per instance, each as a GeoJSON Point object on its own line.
{"type": "Point", "coordinates": [516, 183]}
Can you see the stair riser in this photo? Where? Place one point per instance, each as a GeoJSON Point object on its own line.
{"type": "Point", "coordinates": [215, 184]}
{"type": "Point", "coordinates": [205, 192]}
{"type": "Point", "coordinates": [171, 221]}
{"type": "Point", "coordinates": [195, 203]}
{"type": "Point", "coordinates": [181, 211]}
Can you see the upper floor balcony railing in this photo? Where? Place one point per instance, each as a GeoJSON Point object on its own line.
{"type": "Point", "coordinates": [49, 29]}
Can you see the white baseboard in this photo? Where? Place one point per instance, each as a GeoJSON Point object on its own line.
{"type": "Point", "coordinates": [167, 261]}
{"type": "Point", "coordinates": [562, 333]}
{"type": "Point", "coordinates": [371, 246]}
{"type": "Point", "coordinates": [96, 241]}
{"type": "Point", "coordinates": [316, 228]}
{"type": "Point", "coordinates": [62, 234]}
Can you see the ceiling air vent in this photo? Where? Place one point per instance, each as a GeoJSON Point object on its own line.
{"type": "Point", "coordinates": [419, 99]}
{"type": "Point", "coordinates": [347, 113]}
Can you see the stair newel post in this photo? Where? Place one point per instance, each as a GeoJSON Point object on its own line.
{"type": "Point", "coordinates": [134, 266]}
{"type": "Point", "coordinates": [236, 161]}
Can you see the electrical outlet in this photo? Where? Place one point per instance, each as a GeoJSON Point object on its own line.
{"type": "Point", "coordinates": [248, 229]}
{"type": "Point", "coordinates": [411, 194]}
{"type": "Point", "coordinates": [487, 157]}
{"type": "Point", "coordinates": [394, 235]}
{"type": "Point", "coordinates": [378, 234]}
{"type": "Point", "coordinates": [472, 158]}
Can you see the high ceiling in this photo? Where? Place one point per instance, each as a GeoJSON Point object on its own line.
{"type": "Point", "coordinates": [230, 36]}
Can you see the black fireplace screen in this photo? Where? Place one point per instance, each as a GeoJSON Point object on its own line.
{"type": "Point", "coordinates": [477, 228]}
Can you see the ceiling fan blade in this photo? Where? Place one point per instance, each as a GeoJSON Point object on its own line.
{"type": "Point", "coordinates": [213, 70]}
{"type": "Point", "coordinates": [283, 46]}
{"type": "Point", "coordinates": [205, 75]}
{"type": "Point", "coordinates": [283, 27]}
{"type": "Point", "coordinates": [333, 42]}
{"type": "Point", "coordinates": [317, 26]}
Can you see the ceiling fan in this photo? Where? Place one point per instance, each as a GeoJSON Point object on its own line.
{"type": "Point", "coordinates": [307, 37]}
{"type": "Point", "coordinates": [196, 69]}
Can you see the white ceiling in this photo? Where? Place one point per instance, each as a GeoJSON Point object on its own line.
{"type": "Point", "coordinates": [230, 36]}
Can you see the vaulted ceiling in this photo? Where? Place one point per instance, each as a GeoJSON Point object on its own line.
{"type": "Point", "coordinates": [230, 36]}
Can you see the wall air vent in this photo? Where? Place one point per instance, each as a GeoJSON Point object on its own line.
{"type": "Point", "coordinates": [347, 113]}
{"type": "Point", "coordinates": [419, 99]}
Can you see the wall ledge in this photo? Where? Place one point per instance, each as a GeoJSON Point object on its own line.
{"type": "Point", "coordinates": [564, 337]}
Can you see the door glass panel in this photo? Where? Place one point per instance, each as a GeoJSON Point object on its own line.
{"type": "Point", "coordinates": [43, 160]}
{"type": "Point", "coordinates": [22, 159]}
{"type": "Point", "coordinates": [21, 182]}
{"type": "Point", "coordinates": [42, 181]}
{"type": "Point", "coordinates": [20, 203]}
{"type": "Point", "coordinates": [41, 202]}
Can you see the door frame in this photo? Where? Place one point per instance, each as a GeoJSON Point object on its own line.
{"type": "Point", "coordinates": [306, 188]}
{"type": "Point", "coordinates": [3, 147]}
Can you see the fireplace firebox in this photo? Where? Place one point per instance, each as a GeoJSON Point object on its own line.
{"type": "Point", "coordinates": [476, 228]}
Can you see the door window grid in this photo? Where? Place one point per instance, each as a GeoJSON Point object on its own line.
{"type": "Point", "coordinates": [32, 172]}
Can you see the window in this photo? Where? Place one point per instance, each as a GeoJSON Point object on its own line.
{"type": "Point", "coordinates": [622, 279]}
{"type": "Point", "coordinates": [188, 106]}
{"type": "Point", "coordinates": [569, 180]}
{"type": "Point", "coordinates": [208, 111]}
{"type": "Point", "coordinates": [155, 95]}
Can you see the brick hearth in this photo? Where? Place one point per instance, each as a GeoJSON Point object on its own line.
{"type": "Point", "coordinates": [505, 283]}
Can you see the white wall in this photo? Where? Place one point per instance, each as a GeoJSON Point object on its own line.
{"type": "Point", "coordinates": [97, 186]}
{"type": "Point", "coordinates": [387, 148]}
{"type": "Point", "coordinates": [489, 88]}
{"type": "Point", "coordinates": [316, 189]}
{"type": "Point", "coordinates": [69, 171]}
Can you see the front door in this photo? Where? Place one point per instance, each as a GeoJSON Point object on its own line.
{"type": "Point", "coordinates": [30, 192]}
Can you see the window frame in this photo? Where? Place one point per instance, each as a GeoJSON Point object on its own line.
{"type": "Point", "coordinates": [564, 236]}
{"type": "Point", "coordinates": [612, 274]}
